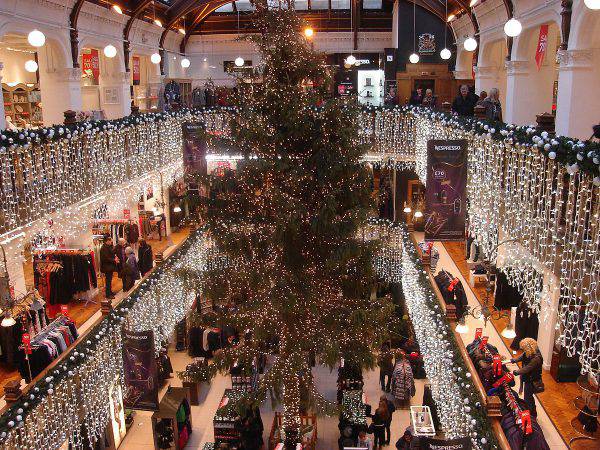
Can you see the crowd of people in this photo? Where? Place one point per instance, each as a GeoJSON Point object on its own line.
{"type": "Point", "coordinates": [465, 102]}
{"type": "Point", "coordinates": [121, 259]}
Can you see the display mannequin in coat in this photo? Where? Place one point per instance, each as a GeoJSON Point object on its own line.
{"type": "Point", "coordinates": [403, 383]}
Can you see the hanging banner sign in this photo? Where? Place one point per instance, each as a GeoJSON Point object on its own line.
{"type": "Point", "coordinates": [427, 443]}
{"type": "Point", "coordinates": [195, 147]}
{"type": "Point", "coordinates": [542, 46]}
{"type": "Point", "coordinates": [136, 70]}
{"type": "Point", "coordinates": [445, 193]}
{"type": "Point", "coordinates": [141, 371]}
{"type": "Point", "coordinates": [127, 214]}
{"type": "Point", "coordinates": [90, 64]}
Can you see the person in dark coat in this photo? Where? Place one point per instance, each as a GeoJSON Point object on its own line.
{"type": "Point", "coordinates": [464, 103]}
{"type": "Point", "coordinates": [530, 371]}
{"type": "Point", "coordinates": [130, 270]}
{"type": "Point", "coordinates": [145, 257]}
{"type": "Point", "coordinates": [385, 361]}
{"type": "Point", "coordinates": [108, 264]}
{"type": "Point", "coordinates": [388, 424]}
{"type": "Point", "coordinates": [493, 108]}
{"type": "Point", "coordinates": [416, 98]}
{"type": "Point", "coordinates": [120, 252]}
{"type": "Point", "coordinates": [405, 442]}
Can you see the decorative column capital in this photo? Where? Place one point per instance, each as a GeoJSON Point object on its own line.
{"type": "Point", "coordinates": [517, 67]}
{"type": "Point", "coordinates": [485, 72]}
{"type": "Point", "coordinates": [575, 59]}
{"type": "Point", "coordinates": [462, 74]}
{"type": "Point", "coordinates": [69, 74]}
{"type": "Point", "coordinates": [121, 77]}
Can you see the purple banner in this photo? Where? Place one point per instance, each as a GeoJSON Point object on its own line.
{"type": "Point", "coordinates": [194, 152]}
{"type": "Point", "coordinates": [446, 190]}
{"type": "Point", "coordinates": [141, 372]}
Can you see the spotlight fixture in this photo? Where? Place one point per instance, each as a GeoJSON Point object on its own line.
{"type": "Point", "coordinates": [473, 3]}
{"type": "Point", "coordinates": [110, 51]}
{"type": "Point", "coordinates": [177, 209]}
{"type": "Point", "coordinates": [513, 28]}
{"type": "Point", "coordinates": [8, 320]}
{"type": "Point", "coordinates": [450, 18]}
{"type": "Point", "coordinates": [418, 214]}
{"type": "Point", "coordinates": [31, 66]}
{"type": "Point", "coordinates": [36, 38]}
{"type": "Point", "coordinates": [181, 31]}
{"type": "Point", "coordinates": [239, 61]}
{"type": "Point", "coordinates": [155, 58]}
{"type": "Point", "coordinates": [470, 44]}
{"type": "Point", "coordinates": [509, 332]}
{"type": "Point", "coordinates": [185, 63]}
{"type": "Point", "coordinates": [158, 22]}
{"type": "Point", "coordinates": [117, 9]}
{"type": "Point", "coordinates": [462, 327]}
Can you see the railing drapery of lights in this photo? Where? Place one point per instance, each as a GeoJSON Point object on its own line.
{"type": "Point", "coordinates": [73, 396]}
{"type": "Point", "coordinates": [457, 401]}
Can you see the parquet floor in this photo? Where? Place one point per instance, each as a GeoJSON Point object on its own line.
{"type": "Point", "coordinates": [79, 311]}
{"type": "Point", "coordinates": [557, 400]}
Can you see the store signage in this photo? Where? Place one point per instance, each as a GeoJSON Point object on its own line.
{"type": "Point", "coordinates": [127, 214]}
{"type": "Point", "coordinates": [427, 443]}
{"type": "Point", "coordinates": [64, 310]}
{"type": "Point", "coordinates": [136, 70]}
{"type": "Point", "coordinates": [542, 46]}
{"type": "Point", "coordinates": [90, 64]}
{"type": "Point", "coordinates": [141, 372]}
{"type": "Point", "coordinates": [446, 190]}
{"type": "Point", "coordinates": [478, 332]}
{"type": "Point", "coordinates": [26, 339]}
{"type": "Point", "coordinates": [195, 147]}
{"type": "Point", "coordinates": [426, 44]}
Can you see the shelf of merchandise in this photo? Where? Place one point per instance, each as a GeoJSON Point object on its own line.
{"type": "Point", "coordinates": [22, 104]}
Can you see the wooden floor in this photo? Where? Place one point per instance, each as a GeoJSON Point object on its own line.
{"type": "Point", "coordinates": [557, 399]}
{"type": "Point", "coordinates": [81, 312]}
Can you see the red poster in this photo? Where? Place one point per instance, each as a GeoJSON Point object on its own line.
{"type": "Point", "coordinates": [127, 214]}
{"type": "Point", "coordinates": [136, 70]}
{"type": "Point", "coordinates": [542, 45]}
{"type": "Point", "coordinates": [90, 64]}
{"type": "Point", "coordinates": [26, 343]}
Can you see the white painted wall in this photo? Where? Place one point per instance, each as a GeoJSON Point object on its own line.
{"type": "Point", "coordinates": [14, 66]}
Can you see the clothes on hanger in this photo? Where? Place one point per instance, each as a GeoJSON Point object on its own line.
{"type": "Point", "coordinates": [452, 291]}
{"type": "Point", "coordinates": [506, 295]}
{"type": "Point", "coordinates": [526, 325]}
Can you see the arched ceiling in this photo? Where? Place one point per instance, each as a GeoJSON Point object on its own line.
{"type": "Point", "coordinates": [329, 15]}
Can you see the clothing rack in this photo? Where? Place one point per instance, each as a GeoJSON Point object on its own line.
{"type": "Point", "coordinates": [59, 321]}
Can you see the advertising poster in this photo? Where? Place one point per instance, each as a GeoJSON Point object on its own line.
{"type": "Point", "coordinates": [136, 70]}
{"type": "Point", "coordinates": [542, 45]}
{"type": "Point", "coordinates": [90, 64]}
{"type": "Point", "coordinates": [428, 443]}
{"type": "Point", "coordinates": [445, 193]}
{"type": "Point", "coordinates": [194, 152]}
{"type": "Point", "coordinates": [141, 372]}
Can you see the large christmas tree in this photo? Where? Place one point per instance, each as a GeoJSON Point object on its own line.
{"type": "Point", "coordinates": [288, 218]}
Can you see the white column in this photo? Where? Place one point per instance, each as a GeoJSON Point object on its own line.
{"type": "Point", "coordinates": [486, 77]}
{"type": "Point", "coordinates": [395, 25]}
{"type": "Point", "coordinates": [519, 86]}
{"type": "Point", "coordinates": [2, 115]}
{"type": "Point", "coordinates": [548, 316]}
{"type": "Point", "coordinates": [578, 107]}
{"type": "Point", "coordinates": [61, 91]}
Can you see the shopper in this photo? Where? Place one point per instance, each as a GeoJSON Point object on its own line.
{"type": "Point", "coordinates": [130, 270]}
{"type": "Point", "coordinates": [416, 97]}
{"type": "Point", "coordinates": [120, 252]}
{"type": "Point", "coordinates": [429, 99]}
{"type": "Point", "coordinates": [403, 383]}
{"type": "Point", "coordinates": [385, 361]}
{"type": "Point", "coordinates": [482, 96]}
{"type": "Point", "coordinates": [464, 103]}
{"type": "Point", "coordinates": [493, 108]}
{"type": "Point", "coordinates": [364, 441]}
{"type": "Point", "coordinates": [108, 264]}
{"type": "Point", "coordinates": [145, 257]}
{"type": "Point", "coordinates": [388, 424]}
{"type": "Point", "coordinates": [379, 419]}
{"type": "Point", "coordinates": [405, 442]}
{"type": "Point", "coordinates": [530, 372]}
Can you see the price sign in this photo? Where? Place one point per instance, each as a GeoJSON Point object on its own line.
{"type": "Point", "coordinates": [127, 213]}
{"type": "Point", "coordinates": [26, 339]}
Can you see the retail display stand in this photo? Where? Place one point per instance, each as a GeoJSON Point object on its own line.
{"type": "Point", "coordinates": [169, 424]}
{"type": "Point", "coordinates": [226, 418]}
{"type": "Point", "coordinates": [22, 104]}
{"type": "Point", "coordinates": [308, 432]}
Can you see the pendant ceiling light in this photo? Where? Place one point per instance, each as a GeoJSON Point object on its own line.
{"type": "Point", "coordinates": [470, 44]}
{"type": "Point", "coordinates": [513, 28]}
{"type": "Point", "coordinates": [110, 51]}
{"type": "Point", "coordinates": [117, 9]}
{"type": "Point", "coordinates": [592, 4]}
{"type": "Point", "coordinates": [239, 61]}
{"type": "Point", "coordinates": [414, 58]}
{"type": "Point", "coordinates": [36, 38]}
{"type": "Point", "coordinates": [31, 66]}
{"type": "Point", "coordinates": [309, 32]}
{"type": "Point", "coordinates": [445, 53]}
{"type": "Point", "coordinates": [350, 60]}
{"type": "Point", "coordinates": [155, 58]}
{"type": "Point", "coordinates": [185, 63]}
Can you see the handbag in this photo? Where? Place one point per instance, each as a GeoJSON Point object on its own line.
{"type": "Point", "coordinates": [538, 386]}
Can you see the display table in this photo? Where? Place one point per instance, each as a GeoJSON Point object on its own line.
{"type": "Point", "coordinates": [172, 423]}
{"type": "Point", "coordinates": [226, 418]}
{"type": "Point", "coordinates": [308, 432]}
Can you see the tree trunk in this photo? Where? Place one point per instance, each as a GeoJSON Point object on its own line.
{"type": "Point", "coordinates": [290, 398]}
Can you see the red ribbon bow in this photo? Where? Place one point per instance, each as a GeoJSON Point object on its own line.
{"type": "Point", "coordinates": [452, 284]}
{"type": "Point", "coordinates": [526, 422]}
{"type": "Point", "coordinates": [497, 365]}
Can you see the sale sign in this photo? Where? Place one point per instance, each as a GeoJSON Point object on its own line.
{"type": "Point", "coordinates": [542, 46]}
{"type": "Point", "coordinates": [136, 70]}
{"type": "Point", "coordinates": [90, 64]}
{"type": "Point", "coordinates": [26, 343]}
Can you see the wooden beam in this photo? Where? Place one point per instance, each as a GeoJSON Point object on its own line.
{"type": "Point", "coordinates": [206, 11]}
{"type": "Point", "coordinates": [74, 33]}
{"type": "Point", "coordinates": [356, 7]}
{"type": "Point", "coordinates": [566, 13]}
{"type": "Point", "coordinates": [139, 9]}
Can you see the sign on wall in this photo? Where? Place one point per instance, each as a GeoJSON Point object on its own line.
{"type": "Point", "coordinates": [542, 46]}
{"type": "Point", "coordinates": [141, 372]}
{"type": "Point", "coordinates": [90, 64]}
{"type": "Point", "coordinates": [446, 190]}
{"type": "Point", "coordinates": [426, 44]}
{"type": "Point", "coordinates": [428, 443]}
{"type": "Point", "coordinates": [136, 70]}
{"type": "Point", "coordinates": [194, 152]}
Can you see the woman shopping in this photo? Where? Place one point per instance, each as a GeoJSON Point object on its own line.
{"type": "Point", "coordinates": [530, 372]}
